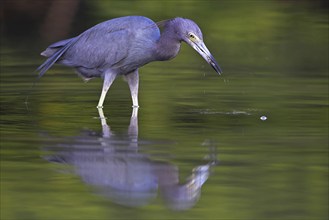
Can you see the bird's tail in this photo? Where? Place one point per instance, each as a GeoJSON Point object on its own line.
{"type": "Point", "coordinates": [54, 52]}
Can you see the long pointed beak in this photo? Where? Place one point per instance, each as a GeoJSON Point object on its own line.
{"type": "Point", "coordinates": [201, 48]}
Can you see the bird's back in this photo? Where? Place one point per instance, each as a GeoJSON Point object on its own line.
{"type": "Point", "coordinates": [121, 44]}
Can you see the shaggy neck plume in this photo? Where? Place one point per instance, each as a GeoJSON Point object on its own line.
{"type": "Point", "coordinates": [169, 43]}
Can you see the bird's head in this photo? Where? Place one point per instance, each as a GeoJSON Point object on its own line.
{"type": "Point", "coordinates": [190, 33]}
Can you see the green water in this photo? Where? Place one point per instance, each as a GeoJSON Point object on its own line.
{"type": "Point", "coordinates": [59, 162]}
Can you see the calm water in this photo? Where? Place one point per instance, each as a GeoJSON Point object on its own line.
{"type": "Point", "coordinates": [198, 147]}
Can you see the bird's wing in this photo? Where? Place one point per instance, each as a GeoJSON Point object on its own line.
{"type": "Point", "coordinates": [99, 47]}
{"type": "Point", "coordinates": [102, 46]}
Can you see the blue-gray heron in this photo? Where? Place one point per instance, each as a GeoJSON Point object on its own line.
{"type": "Point", "coordinates": [120, 46]}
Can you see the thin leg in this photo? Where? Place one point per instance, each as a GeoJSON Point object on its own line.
{"type": "Point", "coordinates": [108, 80]}
{"type": "Point", "coordinates": [133, 81]}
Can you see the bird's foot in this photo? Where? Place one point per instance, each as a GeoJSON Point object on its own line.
{"type": "Point", "coordinates": [99, 106]}
{"type": "Point", "coordinates": [135, 106]}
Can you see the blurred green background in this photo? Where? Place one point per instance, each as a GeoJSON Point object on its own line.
{"type": "Point", "coordinates": [274, 55]}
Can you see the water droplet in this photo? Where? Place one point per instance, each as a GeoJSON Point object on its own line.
{"type": "Point", "coordinates": [263, 118]}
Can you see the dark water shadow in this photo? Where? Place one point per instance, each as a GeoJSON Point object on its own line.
{"type": "Point", "coordinates": [116, 168]}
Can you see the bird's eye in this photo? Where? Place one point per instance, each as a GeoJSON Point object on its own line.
{"type": "Point", "coordinates": [192, 37]}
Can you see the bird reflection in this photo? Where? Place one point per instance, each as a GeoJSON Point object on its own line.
{"type": "Point", "coordinates": [116, 169]}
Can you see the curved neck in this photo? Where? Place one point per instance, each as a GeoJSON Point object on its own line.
{"type": "Point", "coordinates": [169, 43]}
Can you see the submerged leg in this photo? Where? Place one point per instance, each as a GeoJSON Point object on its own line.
{"type": "Point", "coordinates": [133, 81]}
{"type": "Point", "coordinates": [105, 128]}
{"type": "Point", "coordinates": [108, 80]}
{"type": "Point", "coordinates": [133, 130]}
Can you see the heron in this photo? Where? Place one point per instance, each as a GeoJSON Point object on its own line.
{"type": "Point", "coordinates": [120, 46]}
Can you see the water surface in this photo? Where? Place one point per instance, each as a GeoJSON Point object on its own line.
{"type": "Point", "coordinates": [199, 147]}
